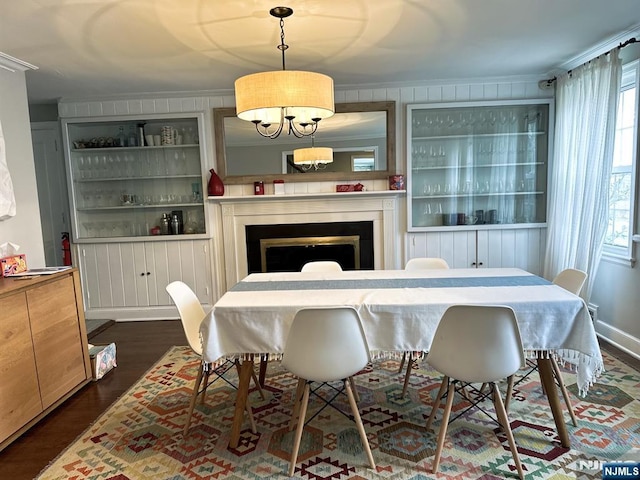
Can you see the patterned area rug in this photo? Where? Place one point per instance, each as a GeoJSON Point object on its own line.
{"type": "Point", "coordinates": [140, 436]}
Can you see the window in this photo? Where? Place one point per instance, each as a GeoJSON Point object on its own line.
{"type": "Point", "coordinates": [621, 190]}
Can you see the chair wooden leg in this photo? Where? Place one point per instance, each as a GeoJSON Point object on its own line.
{"type": "Point", "coordinates": [257, 383]}
{"type": "Point", "coordinates": [407, 375]}
{"type": "Point", "coordinates": [504, 420]}
{"type": "Point", "coordinates": [436, 403]}
{"type": "Point", "coordinates": [252, 420]}
{"type": "Point", "coordinates": [563, 389]}
{"type": "Point", "coordinates": [358, 420]}
{"type": "Point", "coordinates": [194, 397]}
{"type": "Point", "coordinates": [356, 395]}
{"type": "Point", "coordinates": [404, 357]}
{"type": "Point", "coordinates": [298, 437]}
{"type": "Point", "coordinates": [507, 398]}
{"type": "Point", "coordinates": [296, 402]}
{"type": "Point", "coordinates": [443, 426]}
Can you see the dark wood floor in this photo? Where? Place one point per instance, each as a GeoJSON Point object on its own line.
{"type": "Point", "coordinates": [139, 345]}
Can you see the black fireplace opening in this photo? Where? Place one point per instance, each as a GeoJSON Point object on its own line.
{"type": "Point", "coordinates": [287, 247]}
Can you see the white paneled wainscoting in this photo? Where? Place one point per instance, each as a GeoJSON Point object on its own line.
{"type": "Point", "coordinates": [127, 280]}
{"type": "Point", "coordinates": [483, 248]}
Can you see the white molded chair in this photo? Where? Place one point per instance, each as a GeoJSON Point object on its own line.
{"type": "Point", "coordinates": [325, 345]}
{"type": "Point", "coordinates": [475, 344]}
{"type": "Point", "coordinates": [191, 316]}
{"type": "Point", "coordinates": [321, 266]}
{"type": "Point", "coordinates": [426, 263]}
{"type": "Point", "coordinates": [419, 263]}
{"type": "Point", "coordinates": [571, 280]}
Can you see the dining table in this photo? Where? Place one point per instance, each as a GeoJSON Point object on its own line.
{"type": "Point", "coordinates": [400, 310]}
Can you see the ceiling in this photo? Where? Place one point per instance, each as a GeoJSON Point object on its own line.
{"type": "Point", "coordinates": [100, 48]}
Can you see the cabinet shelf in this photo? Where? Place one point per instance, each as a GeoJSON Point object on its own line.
{"type": "Point", "coordinates": [147, 177]}
{"type": "Point", "coordinates": [493, 165]}
{"type": "Point", "coordinates": [472, 136]}
{"type": "Point", "coordinates": [128, 149]}
{"type": "Point", "coordinates": [474, 195]}
{"type": "Point", "coordinates": [136, 206]}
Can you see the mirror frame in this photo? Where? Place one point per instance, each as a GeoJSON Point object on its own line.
{"type": "Point", "coordinates": [219, 114]}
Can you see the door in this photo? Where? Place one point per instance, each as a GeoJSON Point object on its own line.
{"type": "Point", "coordinates": [456, 247]}
{"type": "Point", "coordinates": [519, 248]}
{"type": "Point", "coordinates": [52, 188]}
{"type": "Point", "coordinates": [186, 261]}
{"type": "Point", "coordinates": [19, 394]}
{"type": "Point", "coordinates": [114, 275]}
{"type": "Point", "coordinates": [57, 342]}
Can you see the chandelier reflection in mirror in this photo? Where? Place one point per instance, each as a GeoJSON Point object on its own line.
{"type": "Point", "coordinates": [294, 99]}
{"type": "Point", "coordinates": [314, 157]}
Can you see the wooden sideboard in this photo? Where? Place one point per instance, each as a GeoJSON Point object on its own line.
{"type": "Point", "coordinates": [44, 356]}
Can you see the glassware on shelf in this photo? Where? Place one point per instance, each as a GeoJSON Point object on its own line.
{"type": "Point", "coordinates": [122, 137]}
{"type": "Point", "coordinates": [133, 137]}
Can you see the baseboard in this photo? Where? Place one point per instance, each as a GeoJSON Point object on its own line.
{"type": "Point", "coordinates": [120, 314]}
{"type": "Point", "coordinates": [619, 339]}
{"type": "Point", "coordinates": [97, 329]}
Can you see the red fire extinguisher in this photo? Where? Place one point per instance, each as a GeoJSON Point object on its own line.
{"type": "Point", "coordinates": [66, 249]}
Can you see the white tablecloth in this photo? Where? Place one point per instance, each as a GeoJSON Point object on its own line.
{"type": "Point", "coordinates": [400, 311]}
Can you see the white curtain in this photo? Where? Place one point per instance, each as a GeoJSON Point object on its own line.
{"type": "Point", "coordinates": [586, 106]}
{"type": "Point", "coordinates": [7, 197]}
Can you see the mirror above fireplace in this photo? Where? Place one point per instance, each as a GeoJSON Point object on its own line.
{"type": "Point", "coordinates": [361, 134]}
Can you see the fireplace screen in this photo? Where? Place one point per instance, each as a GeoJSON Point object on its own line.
{"type": "Point", "coordinates": [289, 254]}
{"type": "Point", "coordinates": [287, 247]}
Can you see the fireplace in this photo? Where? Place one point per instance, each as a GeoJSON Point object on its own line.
{"type": "Point", "coordinates": [237, 213]}
{"type": "Point", "coordinates": [287, 247]}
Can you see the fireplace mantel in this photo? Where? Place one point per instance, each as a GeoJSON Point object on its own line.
{"type": "Point", "coordinates": [297, 196]}
{"type": "Point", "coordinates": [234, 213]}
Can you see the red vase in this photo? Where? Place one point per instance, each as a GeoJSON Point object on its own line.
{"type": "Point", "coordinates": [215, 187]}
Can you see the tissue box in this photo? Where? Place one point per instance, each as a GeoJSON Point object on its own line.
{"type": "Point", "coordinates": [103, 359]}
{"type": "Point", "coordinates": [13, 264]}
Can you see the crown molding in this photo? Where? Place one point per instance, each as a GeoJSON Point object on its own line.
{"type": "Point", "coordinates": [14, 64]}
{"type": "Point", "coordinates": [596, 50]}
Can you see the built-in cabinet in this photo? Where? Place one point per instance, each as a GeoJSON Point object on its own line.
{"type": "Point", "coordinates": [43, 348]}
{"type": "Point", "coordinates": [477, 165]}
{"type": "Point", "coordinates": [128, 279]}
{"type": "Point", "coordinates": [506, 247]}
{"type": "Point", "coordinates": [477, 174]}
{"type": "Point", "coordinates": [126, 174]}
{"type": "Point", "coordinates": [137, 193]}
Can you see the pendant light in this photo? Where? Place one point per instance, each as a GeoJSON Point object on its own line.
{"type": "Point", "coordinates": [294, 99]}
{"type": "Point", "coordinates": [313, 157]}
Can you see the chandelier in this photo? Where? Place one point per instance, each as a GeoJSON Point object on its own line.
{"type": "Point", "coordinates": [294, 99]}
{"type": "Point", "coordinates": [315, 157]}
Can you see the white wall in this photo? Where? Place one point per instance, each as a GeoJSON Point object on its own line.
{"type": "Point", "coordinates": [616, 290]}
{"type": "Point", "coordinates": [23, 229]}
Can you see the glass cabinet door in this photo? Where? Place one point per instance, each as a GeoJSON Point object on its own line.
{"type": "Point", "coordinates": [135, 178]}
{"type": "Point", "coordinates": [477, 165]}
